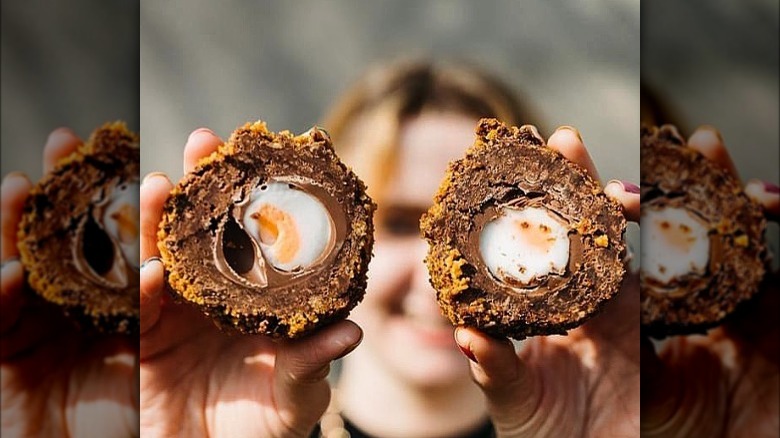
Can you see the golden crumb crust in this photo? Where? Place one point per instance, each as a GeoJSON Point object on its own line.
{"type": "Point", "coordinates": [506, 165]}
{"type": "Point", "coordinates": [54, 205]}
{"type": "Point", "coordinates": [202, 200]}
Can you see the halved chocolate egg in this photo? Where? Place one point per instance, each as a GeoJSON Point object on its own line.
{"type": "Point", "coordinates": [523, 242]}
{"type": "Point", "coordinates": [272, 234]}
{"type": "Point", "coordinates": [703, 249]}
{"type": "Point", "coordinates": [79, 235]}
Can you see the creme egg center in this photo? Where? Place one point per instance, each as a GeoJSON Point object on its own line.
{"type": "Point", "coordinates": [675, 243]}
{"type": "Point", "coordinates": [292, 228]}
{"type": "Point", "coordinates": [121, 220]}
{"type": "Point", "coordinates": [523, 245]}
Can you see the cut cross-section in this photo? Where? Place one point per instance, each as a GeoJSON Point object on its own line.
{"type": "Point", "coordinates": [520, 246]}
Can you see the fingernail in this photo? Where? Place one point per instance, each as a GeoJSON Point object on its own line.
{"type": "Point", "coordinates": [347, 351]}
{"type": "Point", "coordinates": [468, 354]}
{"type": "Point", "coordinates": [465, 350]}
{"type": "Point", "coordinates": [706, 135]}
{"type": "Point", "coordinates": [201, 131]}
{"type": "Point", "coordinates": [630, 187]}
{"type": "Point", "coordinates": [8, 262]}
{"type": "Point", "coordinates": [352, 347]}
{"type": "Point", "coordinates": [154, 175]}
{"type": "Point", "coordinates": [14, 175]}
{"type": "Point", "coordinates": [61, 133]}
{"type": "Point", "coordinates": [711, 129]}
{"type": "Point", "coordinates": [627, 186]}
{"type": "Point", "coordinates": [149, 261]}
{"type": "Point", "coordinates": [771, 188]}
{"type": "Point", "coordinates": [571, 129]}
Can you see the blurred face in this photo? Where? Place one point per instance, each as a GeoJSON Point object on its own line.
{"type": "Point", "coordinates": [403, 327]}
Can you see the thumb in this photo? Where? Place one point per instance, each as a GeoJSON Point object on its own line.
{"type": "Point", "coordinates": [512, 392]}
{"type": "Point", "coordinates": [300, 388]}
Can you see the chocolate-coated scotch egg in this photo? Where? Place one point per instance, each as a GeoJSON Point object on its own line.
{"type": "Point", "coordinates": [703, 249]}
{"type": "Point", "coordinates": [271, 234]}
{"type": "Point", "coordinates": [78, 237]}
{"type": "Point", "coordinates": [522, 241]}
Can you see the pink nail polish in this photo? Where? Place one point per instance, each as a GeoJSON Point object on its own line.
{"type": "Point", "coordinates": [468, 354]}
{"type": "Point", "coordinates": [771, 188]}
{"type": "Point", "coordinates": [630, 187]}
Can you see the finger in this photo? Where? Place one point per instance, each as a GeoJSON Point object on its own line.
{"type": "Point", "coordinates": [61, 143]}
{"type": "Point", "coordinates": [708, 141]}
{"type": "Point", "coordinates": [498, 363]}
{"type": "Point", "coordinates": [657, 396]}
{"type": "Point", "coordinates": [301, 368]}
{"type": "Point", "coordinates": [13, 192]}
{"type": "Point", "coordinates": [152, 286]}
{"type": "Point", "coordinates": [154, 191]}
{"type": "Point", "coordinates": [201, 143]}
{"type": "Point", "coordinates": [627, 194]}
{"type": "Point", "coordinates": [11, 283]}
{"type": "Point", "coordinates": [682, 388]}
{"type": "Point", "coordinates": [568, 142]}
{"type": "Point", "coordinates": [512, 393]}
{"type": "Point", "coordinates": [766, 194]}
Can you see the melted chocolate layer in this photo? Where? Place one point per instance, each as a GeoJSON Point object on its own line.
{"type": "Point", "coordinates": [542, 285]}
{"type": "Point", "coordinates": [261, 273]}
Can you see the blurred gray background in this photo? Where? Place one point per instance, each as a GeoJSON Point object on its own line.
{"type": "Point", "coordinates": [69, 64]}
{"type": "Point", "coordinates": [717, 62]}
{"type": "Point", "coordinates": [220, 64]}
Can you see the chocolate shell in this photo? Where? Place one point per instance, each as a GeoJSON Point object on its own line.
{"type": "Point", "coordinates": [215, 259]}
{"type": "Point", "coordinates": [511, 168]}
{"type": "Point", "coordinates": [674, 176]}
{"type": "Point", "coordinates": [78, 237]}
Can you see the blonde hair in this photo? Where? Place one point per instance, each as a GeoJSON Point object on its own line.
{"type": "Point", "coordinates": [365, 122]}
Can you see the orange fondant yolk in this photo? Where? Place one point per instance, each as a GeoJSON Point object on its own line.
{"type": "Point", "coordinates": [537, 236]}
{"type": "Point", "coordinates": [676, 235]}
{"type": "Point", "coordinates": [278, 229]}
{"type": "Point", "coordinates": [127, 223]}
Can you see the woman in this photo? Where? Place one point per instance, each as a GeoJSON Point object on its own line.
{"type": "Point", "coordinates": [398, 127]}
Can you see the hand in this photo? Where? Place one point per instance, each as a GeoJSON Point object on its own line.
{"type": "Point", "coordinates": [56, 380]}
{"type": "Point", "coordinates": [583, 384]}
{"type": "Point", "coordinates": [199, 381]}
{"type": "Point", "coordinates": [726, 382]}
